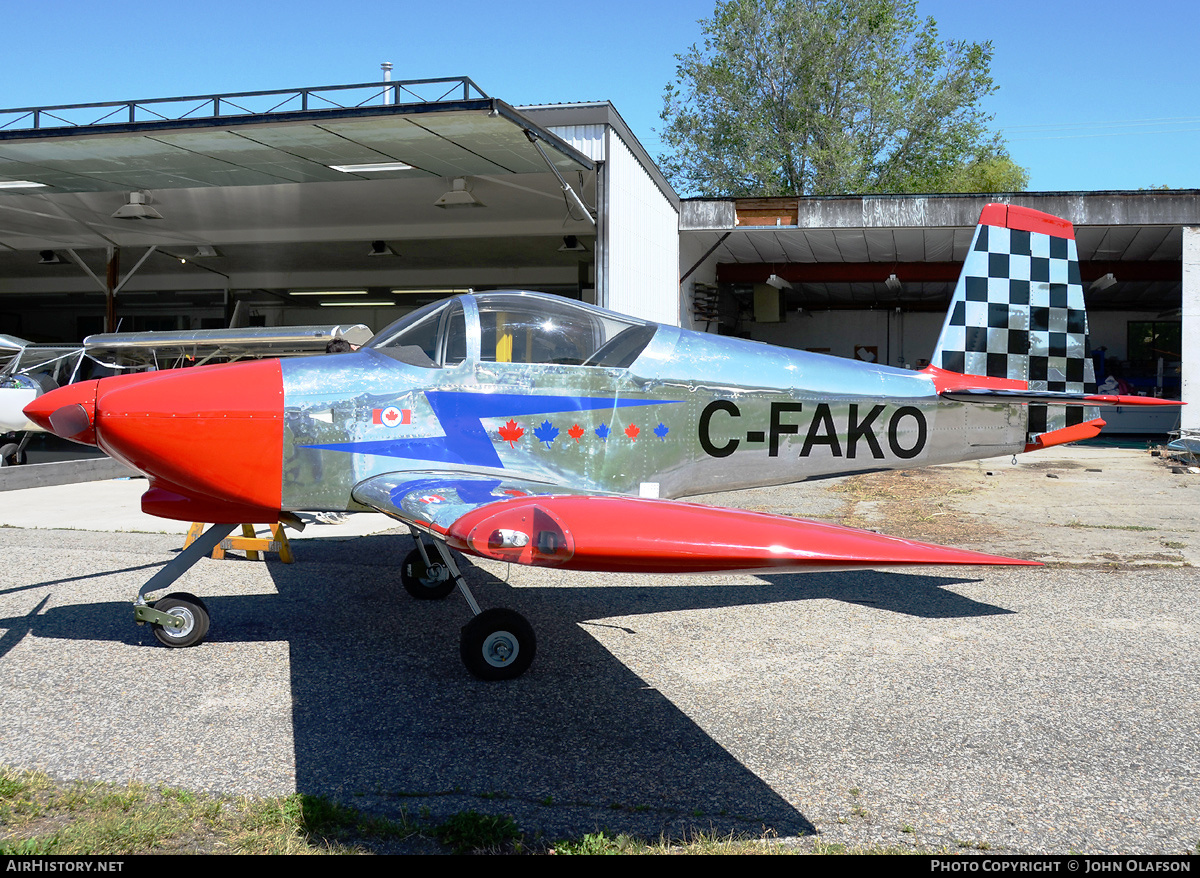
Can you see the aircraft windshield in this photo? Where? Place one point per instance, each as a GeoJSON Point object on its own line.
{"type": "Point", "coordinates": [432, 336]}
{"type": "Point", "coordinates": [517, 328]}
{"type": "Point", "coordinates": [524, 329]}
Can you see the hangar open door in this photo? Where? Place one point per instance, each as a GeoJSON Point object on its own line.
{"type": "Point", "coordinates": [366, 199]}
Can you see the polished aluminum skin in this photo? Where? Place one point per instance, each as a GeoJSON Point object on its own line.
{"type": "Point", "coordinates": [533, 387]}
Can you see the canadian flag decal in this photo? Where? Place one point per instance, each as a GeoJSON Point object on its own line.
{"type": "Point", "coordinates": [391, 416]}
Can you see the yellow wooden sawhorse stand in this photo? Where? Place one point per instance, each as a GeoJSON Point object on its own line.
{"type": "Point", "coordinates": [247, 542]}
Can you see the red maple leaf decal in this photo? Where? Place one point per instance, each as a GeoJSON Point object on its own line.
{"type": "Point", "coordinates": [510, 433]}
{"type": "Point", "coordinates": [575, 432]}
{"type": "Point", "coordinates": [632, 431]}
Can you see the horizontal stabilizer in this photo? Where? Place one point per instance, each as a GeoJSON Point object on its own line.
{"type": "Point", "coordinates": [992, 389]}
{"type": "Point", "coordinates": [1052, 397]}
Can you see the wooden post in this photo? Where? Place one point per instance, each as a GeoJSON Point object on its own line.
{"type": "Point", "coordinates": [110, 294]}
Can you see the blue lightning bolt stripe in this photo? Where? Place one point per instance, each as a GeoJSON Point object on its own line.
{"type": "Point", "coordinates": [461, 414]}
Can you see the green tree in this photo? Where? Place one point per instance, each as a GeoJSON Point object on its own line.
{"type": "Point", "coordinates": [819, 97]}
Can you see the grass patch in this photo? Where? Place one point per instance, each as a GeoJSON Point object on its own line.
{"type": "Point", "coordinates": [39, 816]}
{"type": "Point", "coordinates": [472, 832]}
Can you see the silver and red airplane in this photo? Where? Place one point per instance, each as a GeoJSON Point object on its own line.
{"type": "Point", "coordinates": [534, 429]}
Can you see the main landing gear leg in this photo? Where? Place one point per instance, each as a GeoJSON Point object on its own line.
{"type": "Point", "coordinates": [497, 644]}
{"type": "Point", "coordinates": [180, 619]}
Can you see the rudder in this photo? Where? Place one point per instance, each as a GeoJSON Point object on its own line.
{"type": "Point", "coordinates": [1018, 311]}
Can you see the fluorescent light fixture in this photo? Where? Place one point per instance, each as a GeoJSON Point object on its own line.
{"type": "Point", "coordinates": [380, 248]}
{"type": "Point", "coordinates": [21, 184]}
{"type": "Point", "coordinates": [778, 283]}
{"type": "Point", "coordinates": [371, 303]}
{"type": "Point", "coordinates": [371, 167]}
{"type": "Point", "coordinates": [49, 257]}
{"type": "Point", "coordinates": [893, 283]}
{"type": "Point", "coordinates": [1103, 283]}
{"type": "Point", "coordinates": [413, 291]}
{"type": "Point", "coordinates": [571, 243]}
{"type": "Point", "coordinates": [328, 292]}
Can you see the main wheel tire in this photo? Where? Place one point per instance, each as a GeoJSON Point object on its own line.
{"type": "Point", "coordinates": [195, 620]}
{"type": "Point", "coordinates": [498, 645]}
{"type": "Point", "coordinates": [11, 455]}
{"type": "Point", "coordinates": [425, 583]}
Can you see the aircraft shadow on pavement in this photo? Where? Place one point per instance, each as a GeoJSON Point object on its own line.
{"type": "Point", "coordinates": [385, 715]}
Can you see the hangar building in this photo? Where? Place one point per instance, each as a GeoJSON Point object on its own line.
{"type": "Point", "coordinates": [366, 201]}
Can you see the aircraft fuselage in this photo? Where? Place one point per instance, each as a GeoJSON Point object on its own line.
{"type": "Point", "coordinates": [694, 413]}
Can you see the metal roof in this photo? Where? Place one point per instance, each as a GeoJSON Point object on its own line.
{"type": "Point", "coordinates": [252, 175]}
{"type": "Point", "coordinates": [838, 251]}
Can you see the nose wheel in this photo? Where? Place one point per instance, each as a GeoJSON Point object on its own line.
{"type": "Point", "coordinates": [180, 619]}
{"type": "Point", "coordinates": [193, 625]}
{"type": "Point", "coordinates": [497, 644]}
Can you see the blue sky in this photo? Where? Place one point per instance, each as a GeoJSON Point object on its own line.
{"type": "Point", "coordinates": [1093, 95]}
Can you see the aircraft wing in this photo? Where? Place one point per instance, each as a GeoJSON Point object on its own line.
{"type": "Point", "coordinates": [432, 501]}
{"type": "Point", "coordinates": [554, 526]}
{"type": "Point", "coordinates": [9, 346]}
{"type": "Point", "coordinates": [205, 344]}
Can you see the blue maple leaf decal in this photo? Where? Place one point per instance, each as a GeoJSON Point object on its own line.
{"type": "Point", "coordinates": [547, 432]}
{"type": "Point", "coordinates": [661, 431]}
{"type": "Point", "coordinates": [602, 431]}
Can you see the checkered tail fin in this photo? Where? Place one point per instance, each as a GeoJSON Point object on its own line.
{"type": "Point", "coordinates": [1018, 312]}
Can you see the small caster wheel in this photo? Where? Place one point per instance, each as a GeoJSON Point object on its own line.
{"type": "Point", "coordinates": [195, 620]}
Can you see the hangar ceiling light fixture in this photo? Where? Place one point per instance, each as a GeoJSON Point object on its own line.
{"type": "Point", "coordinates": [380, 248]}
{"type": "Point", "coordinates": [137, 208]}
{"type": "Point", "coordinates": [368, 303]}
{"type": "Point", "coordinates": [21, 184]}
{"type": "Point", "coordinates": [371, 167]}
{"type": "Point", "coordinates": [328, 292]}
{"type": "Point", "coordinates": [458, 196]}
{"type": "Point", "coordinates": [1103, 283]}
{"type": "Point", "coordinates": [419, 291]}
